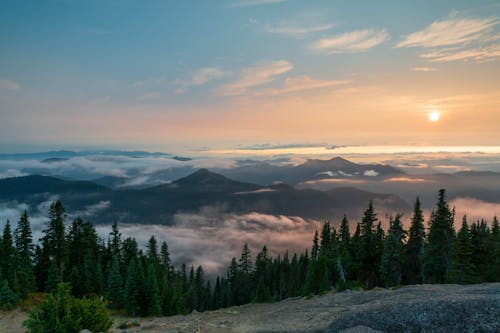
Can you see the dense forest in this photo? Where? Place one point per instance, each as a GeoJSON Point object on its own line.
{"type": "Point", "coordinates": [144, 282]}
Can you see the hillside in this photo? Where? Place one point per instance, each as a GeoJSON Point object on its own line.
{"type": "Point", "coordinates": [420, 308]}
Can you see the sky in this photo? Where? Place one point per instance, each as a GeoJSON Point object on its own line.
{"type": "Point", "coordinates": [177, 75]}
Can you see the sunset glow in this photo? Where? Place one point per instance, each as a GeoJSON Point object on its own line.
{"type": "Point", "coordinates": [229, 75]}
{"type": "Point", "coordinates": [434, 116]}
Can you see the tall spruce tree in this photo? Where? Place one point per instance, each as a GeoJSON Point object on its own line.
{"type": "Point", "coordinates": [24, 247]}
{"type": "Point", "coordinates": [391, 269]}
{"type": "Point", "coordinates": [414, 248]}
{"type": "Point", "coordinates": [54, 239]}
{"type": "Point", "coordinates": [462, 269]}
{"type": "Point", "coordinates": [369, 256]}
{"type": "Point", "coordinates": [438, 251]}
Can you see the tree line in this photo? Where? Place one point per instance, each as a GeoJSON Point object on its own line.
{"type": "Point", "coordinates": [144, 282]}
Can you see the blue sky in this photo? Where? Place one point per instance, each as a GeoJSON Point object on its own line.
{"type": "Point", "coordinates": [162, 74]}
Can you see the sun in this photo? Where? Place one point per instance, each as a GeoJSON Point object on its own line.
{"type": "Point", "coordinates": [434, 116]}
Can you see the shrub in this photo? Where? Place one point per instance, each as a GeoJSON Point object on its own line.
{"type": "Point", "coordinates": [63, 313]}
{"type": "Point", "coordinates": [8, 298]}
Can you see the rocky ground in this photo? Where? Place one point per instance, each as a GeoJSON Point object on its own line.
{"type": "Point", "coordinates": [425, 308]}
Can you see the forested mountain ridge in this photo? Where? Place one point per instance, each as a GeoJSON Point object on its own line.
{"type": "Point", "coordinates": [202, 188]}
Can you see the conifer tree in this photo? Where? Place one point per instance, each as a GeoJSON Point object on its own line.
{"type": "Point", "coordinates": [9, 259]}
{"type": "Point", "coordinates": [54, 240]}
{"type": "Point", "coordinates": [414, 247]}
{"type": "Point", "coordinates": [438, 251]}
{"type": "Point", "coordinates": [392, 258]}
{"type": "Point", "coordinates": [114, 288]}
{"type": "Point", "coordinates": [494, 268]}
{"type": "Point", "coordinates": [315, 246]}
{"type": "Point", "coordinates": [152, 292]}
{"type": "Point", "coordinates": [369, 258]}
{"type": "Point", "coordinates": [24, 246]}
{"type": "Point", "coordinates": [53, 278]}
{"type": "Point", "coordinates": [132, 293]}
{"type": "Point", "coordinates": [462, 269]}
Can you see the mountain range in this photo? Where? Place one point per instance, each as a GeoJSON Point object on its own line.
{"type": "Point", "coordinates": [199, 190]}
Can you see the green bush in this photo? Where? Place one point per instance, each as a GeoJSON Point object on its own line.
{"type": "Point", "coordinates": [63, 313]}
{"type": "Point", "coordinates": [8, 298]}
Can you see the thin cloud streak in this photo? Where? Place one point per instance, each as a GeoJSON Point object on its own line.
{"type": "Point", "coordinates": [9, 85]}
{"type": "Point", "coordinates": [473, 54]}
{"type": "Point", "coordinates": [297, 30]}
{"type": "Point", "coordinates": [300, 84]}
{"type": "Point", "coordinates": [354, 41]}
{"type": "Point", "coordinates": [448, 32]}
{"type": "Point", "coordinates": [260, 74]}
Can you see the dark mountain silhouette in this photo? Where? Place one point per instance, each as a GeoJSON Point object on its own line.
{"type": "Point", "coordinates": [264, 173]}
{"type": "Point", "coordinates": [201, 189]}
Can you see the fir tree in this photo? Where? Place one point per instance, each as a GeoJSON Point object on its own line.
{"type": "Point", "coordinates": [438, 251]}
{"type": "Point", "coordinates": [369, 258]}
{"type": "Point", "coordinates": [53, 278]}
{"type": "Point", "coordinates": [114, 288]}
{"type": "Point", "coordinates": [54, 240]}
{"type": "Point", "coordinates": [24, 246]}
{"type": "Point", "coordinates": [462, 269]}
{"type": "Point", "coordinates": [315, 246]}
{"type": "Point", "coordinates": [152, 292]}
{"type": "Point", "coordinates": [132, 293]}
{"type": "Point", "coordinates": [415, 247]}
{"type": "Point", "coordinates": [8, 298]}
{"type": "Point", "coordinates": [392, 258]}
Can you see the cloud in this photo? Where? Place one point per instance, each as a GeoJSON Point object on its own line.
{"type": "Point", "coordinates": [12, 173]}
{"type": "Point", "coordinates": [354, 41]}
{"type": "Point", "coordinates": [457, 39]}
{"type": "Point", "coordinates": [195, 239]}
{"type": "Point", "coordinates": [301, 83]}
{"type": "Point", "coordinates": [448, 32]}
{"type": "Point", "coordinates": [423, 69]}
{"type": "Point", "coordinates": [370, 173]}
{"type": "Point", "coordinates": [474, 209]}
{"type": "Point", "coordinates": [294, 30]}
{"type": "Point", "coordinates": [404, 180]}
{"type": "Point", "coordinates": [248, 3]}
{"type": "Point", "coordinates": [93, 209]}
{"type": "Point", "coordinates": [199, 77]}
{"type": "Point", "coordinates": [257, 75]}
{"type": "Point", "coordinates": [9, 85]}
{"type": "Point", "coordinates": [481, 54]}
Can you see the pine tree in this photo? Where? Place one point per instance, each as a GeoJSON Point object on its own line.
{"type": "Point", "coordinates": [53, 278]}
{"type": "Point", "coordinates": [315, 246]}
{"type": "Point", "coordinates": [9, 259]}
{"type": "Point", "coordinates": [132, 293]}
{"type": "Point", "coordinates": [438, 251]}
{"type": "Point", "coordinates": [369, 258]}
{"type": "Point", "coordinates": [115, 242]}
{"type": "Point", "coordinates": [152, 292]}
{"type": "Point", "coordinates": [462, 269]}
{"type": "Point", "coordinates": [114, 288]}
{"type": "Point", "coordinates": [392, 258]}
{"type": "Point", "coordinates": [481, 249]}
{"type": "Point", "coordinates": [54, 240]}
{"type": "Point", "coordinates": [24, 247]}
{"type": "Point", "coordinates": [494, 268]}
{"type": "Point", "coordinates": [415, 247]}
{"type": "Point", "coordinates": [8, 298]}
